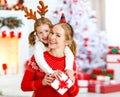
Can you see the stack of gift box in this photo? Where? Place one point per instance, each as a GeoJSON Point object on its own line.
{"type": "Point", "coordinates": [83, 80]}
{"type": "Point", "coordinates": [113, 61]}
{"type": "Point", "coordinates": [102, 81]}
{"type": "Point", "coordinates": [107, 80]}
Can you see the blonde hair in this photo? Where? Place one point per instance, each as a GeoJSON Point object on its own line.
{"type": "Point", "coordinates": [69, 34]}
{"type": "Point", "coordinates": [38, 22]}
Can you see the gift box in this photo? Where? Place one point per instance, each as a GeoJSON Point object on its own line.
{"type": "Point", "coordinates": [83, 85]}
{"type": "Point", "coordinates": [104, 79]}
{"type": "Point", "coordinates": [116, 67]}
{"type": "Point", "coordinates": [82, 75]}
{"type": "Point", "coordinates": [99, 88]}
{"type": "Point", "coordinates": [113, 54]}
{"type": "Point", "coordinates": [104, 72]}
{"type": "Point", "coordinates": [62, 84]}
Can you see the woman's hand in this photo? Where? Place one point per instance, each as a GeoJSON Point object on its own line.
{"type": "Point", "coordinates": [70, 73]}
{"type": "Point", "coordinates": [48, 79]}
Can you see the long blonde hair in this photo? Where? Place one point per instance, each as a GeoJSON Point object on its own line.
{"type": "Point", "coordinates": [69, 34]}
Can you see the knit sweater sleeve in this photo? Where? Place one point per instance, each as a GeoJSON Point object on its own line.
{"type": "Point", "coordinates": [29, 83]}
{"type": "Point", "coordinates": [73, 91]}
{"type": "Point", "coordinates": [38, 53]}
{"type": "Point", "coordinates": [69, 58]}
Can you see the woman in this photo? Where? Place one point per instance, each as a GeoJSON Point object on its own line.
{"type": "Point", "coordinates": [36, 80]}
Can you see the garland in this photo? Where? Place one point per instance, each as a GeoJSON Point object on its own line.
{"type": "Point", "coordinates": [10, 22]}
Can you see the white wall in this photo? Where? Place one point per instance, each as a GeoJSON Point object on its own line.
{"type": "Point", "coordinates": [113, 21]}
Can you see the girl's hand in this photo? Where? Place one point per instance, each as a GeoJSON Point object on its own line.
{"type": "Point", "coordinates": [48, 79]}
{"type": "Point", "coordinates": [57, 74]}
{"type": "Point", "coordinates": [70, 73]}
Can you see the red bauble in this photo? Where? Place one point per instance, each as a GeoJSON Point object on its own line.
{"type": "Point", "coordinates": [75, 1]}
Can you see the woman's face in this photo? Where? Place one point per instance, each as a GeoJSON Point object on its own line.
{"type": "Point", "coordinates": [42, 32]}
{"type": "Point", "coordinates": [56, 38]}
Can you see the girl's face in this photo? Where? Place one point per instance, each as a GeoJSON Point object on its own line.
{"type": "Point", "coordinates": [43, 32]}
{"type": "Point", "coordinates": [56, 38]}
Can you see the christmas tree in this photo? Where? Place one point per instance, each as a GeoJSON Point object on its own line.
{"type": "Point", "coordinates": [92, 44]}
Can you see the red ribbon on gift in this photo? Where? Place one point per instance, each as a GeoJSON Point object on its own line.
{"type": "Point", "coordinates": [63, 84]}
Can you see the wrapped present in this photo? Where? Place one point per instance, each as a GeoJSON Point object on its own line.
{"type": "Point", "coordinates": [105, 79]}
{"type": "Point", "coordinates": [100, 71]}
{"type": "Point", "coordinates": [94, 82]}
{"type": "Point", "coordinates": [99, 88]}
{"type": "Point", "coordinates": [116, 67]}
{"type": "Point", "coordinates": [113, 54]}
{"type": "Point", "coordinates": [83, 85]}
{"type": "Point", "coordinates": [83, 76]}
{"type": "Point", "coordinates": [62, 84]}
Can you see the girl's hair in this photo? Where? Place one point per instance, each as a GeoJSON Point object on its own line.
{"type": "Point", "coordinates": [38, 22]}
{"type": "Point", "coordinates": [69, 34]}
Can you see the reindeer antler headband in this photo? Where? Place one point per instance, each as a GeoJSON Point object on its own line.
{"type": "Point", "coordinates": [41, 10]}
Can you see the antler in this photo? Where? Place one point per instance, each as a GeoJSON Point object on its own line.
{"type": "Point", "coordinates": [43, 9]}
{"type": "Point", "coordinates": [31, 14]}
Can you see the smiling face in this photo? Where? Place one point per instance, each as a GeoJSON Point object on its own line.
{"type": "Point", "coordinates": [42, 32]}
{"type": "Point", "coordinates": [61, 36]}
{"type": "Point", "coordinates": [57, 38]}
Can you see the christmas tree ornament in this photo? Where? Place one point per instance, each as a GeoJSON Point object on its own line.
{"type": "Point", "coordinates": [55, 13]}
{"type": "Point", "coordinates": [75, 1]}
{"type": "Point", "coordinates": [65, 2]}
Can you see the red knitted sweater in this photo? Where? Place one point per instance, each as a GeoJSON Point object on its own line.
{"type": "Point", "coordinates": [32, 79]}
